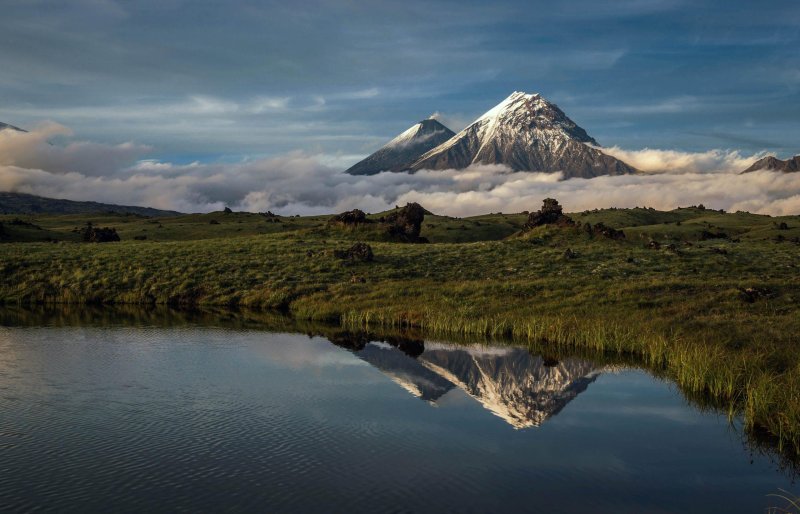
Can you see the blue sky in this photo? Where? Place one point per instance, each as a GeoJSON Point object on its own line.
{"type": "Point", "coordinates": [233, 80]}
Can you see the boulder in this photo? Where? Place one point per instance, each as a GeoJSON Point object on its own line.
{"type": "Point", "coordinates": [359, 252]}
{"type": "Point", "coordinates": [350, 218]}
{"type": "Point", "coordinates": [405, 224]}
{"type": "Point", "coordinates": [551, 213]}
{"type": "Point", "coordinates": [600, 229]}
{"type": "Point", "coordinates": [92, 234]}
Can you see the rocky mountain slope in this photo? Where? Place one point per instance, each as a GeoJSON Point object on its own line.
{"type": "Point", "coordinates": [402, 151]}
{"type": "Point", "coordinates": [526, 133]}
{"type": "Point", "coordinates": [774, 164]}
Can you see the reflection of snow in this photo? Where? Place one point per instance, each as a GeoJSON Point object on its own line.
{"type": "Point", "coordinates": [515, 386]}
{"type": "Point", "coordinates": [509, 382]}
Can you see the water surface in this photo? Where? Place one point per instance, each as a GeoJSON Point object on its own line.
{"type": "Point", "coordinates": [206, 419]}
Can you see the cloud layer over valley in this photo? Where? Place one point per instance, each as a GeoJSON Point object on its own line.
{"type": "Point", "coordinates": [47, 162]}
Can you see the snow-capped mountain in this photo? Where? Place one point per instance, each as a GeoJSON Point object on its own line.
{"type": "Point", "coordinates": [4, 126]}
{"type": "Point", "coordinates": [774, 164]}
{"type": "Point", "coordinates": [526, 133]}
{"type": "Point", "coordinates": [509, 382]}
{"type": "Point", "coordinates": [520, 388]}
{"type": "Point", "coordinates": [402, 151]}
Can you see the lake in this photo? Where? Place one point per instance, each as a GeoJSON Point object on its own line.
{"type": "Point", "coordinates": [209, 417]}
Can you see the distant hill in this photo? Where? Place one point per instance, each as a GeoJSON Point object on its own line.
{"type": "Point", "coordinates": [774, 164]}
{"type": "Point", "coordinates": [20, 203]}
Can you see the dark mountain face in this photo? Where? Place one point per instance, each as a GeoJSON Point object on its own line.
{"type": "Point", "coordinates": [399, 153]}
{"type": "Point", "coordinates": [20, 203]}
{"type": "Point", "coordinates": [526, 133]}
{"type": "Point", "coordinates": [774, 164]}
{"type": "Point", "coordinates": [4, 126]}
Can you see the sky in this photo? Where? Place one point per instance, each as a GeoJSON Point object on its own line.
{"type": "Point", "coordinates": [172, 89]}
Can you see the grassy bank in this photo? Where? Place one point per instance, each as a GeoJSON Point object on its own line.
{"type": "Point", "coordinates": [715, 305]}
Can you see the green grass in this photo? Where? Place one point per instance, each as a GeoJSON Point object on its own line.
{"type": "Point", "coordinates": [679, 312]}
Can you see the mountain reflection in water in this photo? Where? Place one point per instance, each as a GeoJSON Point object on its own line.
{"type": "Point", "coordinates": [522, 389]}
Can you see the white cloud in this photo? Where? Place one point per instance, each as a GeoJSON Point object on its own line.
{"type": "Point", "coordinates": [299, 183]}
{"type": "Point", "coordinates": [651, 160]}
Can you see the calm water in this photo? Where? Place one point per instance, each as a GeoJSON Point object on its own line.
{"type": "Point", "coordinates": [209, 419]}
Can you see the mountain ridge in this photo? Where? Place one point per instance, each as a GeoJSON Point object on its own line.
{"type": "Point", "coordinates": [772, 163]}
{"type": "Point", "coordinates": [23, 203]}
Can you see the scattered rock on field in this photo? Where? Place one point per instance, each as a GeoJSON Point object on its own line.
{"type": "Point", "coordinates": [358, 252]}
{"type": "Point", "coordinates": [751, 294]}
{"type": "Point", "coordinates": [93, 234]}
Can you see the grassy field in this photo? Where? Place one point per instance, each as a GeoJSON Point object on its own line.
{"type": "Point", "coordinates": [714, 305]}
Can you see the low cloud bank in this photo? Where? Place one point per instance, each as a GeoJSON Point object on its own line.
{"type": "Point", "coordinates": [297, 183]}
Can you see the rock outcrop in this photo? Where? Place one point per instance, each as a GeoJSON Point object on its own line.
{"type": "Point", "coordinates": [551, 213]}
{"type": "Point", "coordinates": [405, 224]}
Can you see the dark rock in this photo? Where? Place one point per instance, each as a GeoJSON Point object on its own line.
{"type": "Point", "coordinates": [751, 294]}
{"type": "Point", "coordinates": [551, 213]}
{"type": "Point", "coordinates": [569, 254]}
{"type": "Point", "coordinates": [405, 224]}
{"type": "Point", "coordinates": [350, 218]}
{"type": "Point", "coordinates": [783, 226]}
{"type": "Point", "coordinates": [93, 234]}
{"type": "Point", "coordinates": [705, 235]}
{"type": "Point", "coordinates": [549, 362]}
{"type": "Point", "coordinates": [354, 341]}
{"type": "Point", "coordinates": [611, 233]}
{"type": "Point", "coordinates": [358, 252]}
